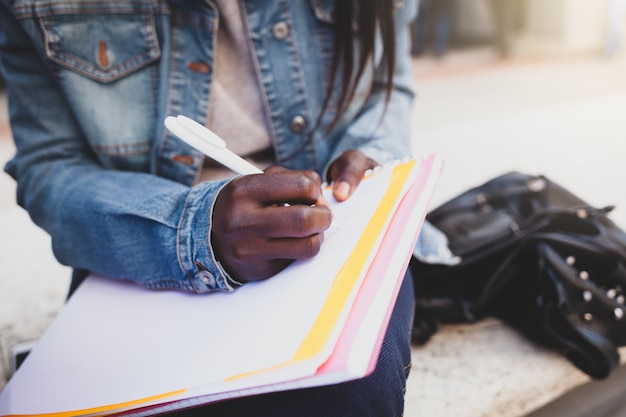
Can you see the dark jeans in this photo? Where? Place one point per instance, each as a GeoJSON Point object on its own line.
{"type": "Point", "coordinates": [380, 394]}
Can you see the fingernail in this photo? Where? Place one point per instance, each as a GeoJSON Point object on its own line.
{"type": "Point", "coordinates": [342, 190]}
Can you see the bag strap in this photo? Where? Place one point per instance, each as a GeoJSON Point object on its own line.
{"type": "Point", "coordinates": [590, 351]}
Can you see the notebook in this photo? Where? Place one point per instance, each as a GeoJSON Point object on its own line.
{"type": "Point", "coordinates": [116, 348]}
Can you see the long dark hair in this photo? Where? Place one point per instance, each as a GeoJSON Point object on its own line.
{"type": "Point", "coordinates": [368, 16]}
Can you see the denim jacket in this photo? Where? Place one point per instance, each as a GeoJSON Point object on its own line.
{"type": "Point", "coordinates": [90, 82]}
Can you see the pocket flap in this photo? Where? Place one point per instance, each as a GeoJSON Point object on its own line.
{"type": "Point", "coordinates": [103, 47]}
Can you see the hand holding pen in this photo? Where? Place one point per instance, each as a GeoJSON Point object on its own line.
{"type": "Point", "coordinates": [260, 223]}
{"type": "Point", "coordinates": [255, 235]}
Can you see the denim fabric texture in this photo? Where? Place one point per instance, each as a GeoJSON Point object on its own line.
{"type": "Point", "coordinates": [90, 82]}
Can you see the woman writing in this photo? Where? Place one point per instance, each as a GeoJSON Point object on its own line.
{"type": "Point", "coordinates": [307, 90]}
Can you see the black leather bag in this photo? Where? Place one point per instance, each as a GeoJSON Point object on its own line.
{"type": "Point", "coordinates": [536, 256]}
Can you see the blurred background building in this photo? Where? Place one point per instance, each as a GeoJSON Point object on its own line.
{"type": "Point", "coordinates": [520, 27]}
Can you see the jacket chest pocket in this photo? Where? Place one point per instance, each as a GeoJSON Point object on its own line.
{"type": "Point", "coordinates": [103, 47]}
{"type": "Point", "coordinates": [105, 57]}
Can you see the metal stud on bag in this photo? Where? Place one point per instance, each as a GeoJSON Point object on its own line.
{"type": "Point", "coordinates": [481, 200]}
{"type": "Point", "coordinates": [537, 184]}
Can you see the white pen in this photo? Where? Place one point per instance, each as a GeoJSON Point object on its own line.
{"type": "Point", "coordinates": [207, 142]}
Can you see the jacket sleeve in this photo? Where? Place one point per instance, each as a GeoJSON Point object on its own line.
{"type": "Point", "coordinates": [127, 225]}
{"type": "Point", "coordinates": [381, 130]}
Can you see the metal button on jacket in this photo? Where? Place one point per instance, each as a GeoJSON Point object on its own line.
{"type": "Point", "coordinates": [207, 278]}
{"type": "Point", "coordinates": [280, 30]}
{"type": "Point", "coordinates": [298, 123]}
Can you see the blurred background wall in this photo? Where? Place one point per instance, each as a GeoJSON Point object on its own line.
{"type": "Point", "coordinates": [522, 27]}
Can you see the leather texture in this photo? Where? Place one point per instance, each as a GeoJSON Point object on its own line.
{"type": "Point", "coordinates": [538, 257]}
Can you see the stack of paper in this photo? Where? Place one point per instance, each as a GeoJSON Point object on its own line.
{"type": "Point", "coordinates": [118, 348]}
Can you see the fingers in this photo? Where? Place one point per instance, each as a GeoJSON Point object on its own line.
{"type": "Point", "coordinates": [254, 261]}
{"type": "Point", "coordinates": [261, 223]}
{"type": "Point", "coordinates": [347, 171]}
{"type": "Point", "coordinates": [294, 221]}
{"type": "Point", "coordinates": [279, 186]}
{"type": "Point", "coordinates": [288, 248]}
{"type": "Point", "coordinates": [277, 221]}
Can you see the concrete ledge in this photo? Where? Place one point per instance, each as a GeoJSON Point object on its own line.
{"type": "Point", "coordinates": [487, 369]}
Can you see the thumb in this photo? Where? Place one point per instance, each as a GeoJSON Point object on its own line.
{"type": "Point", "coordinates": [346, 173]}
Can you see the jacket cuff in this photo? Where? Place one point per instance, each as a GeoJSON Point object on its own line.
{"type": "Point", "coordinates": [195, 252]}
